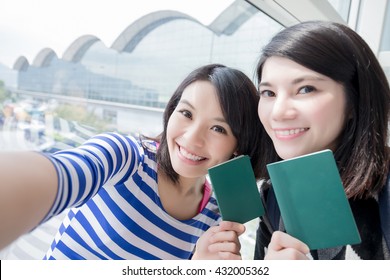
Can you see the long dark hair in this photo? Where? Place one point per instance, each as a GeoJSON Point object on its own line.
{"type": "Point", "coordinates": [238, 99]}
{"type": "Point", "coordinates": [338, 52]}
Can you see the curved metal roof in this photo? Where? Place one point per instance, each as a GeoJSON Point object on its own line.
{"type": "Point", "coordinates": [78, 48]}
{"type": "Point", "coordinates": [44, 57]}
{"type": "Point", "coordinates": [21, 64]}
{"type": "Point", "coordinates": [135, 32]}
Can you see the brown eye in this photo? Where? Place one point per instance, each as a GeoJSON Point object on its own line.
{"type": "Point", "coordinates": [186, 113]}
{"type": "Point", "coordinates": [219, 129]}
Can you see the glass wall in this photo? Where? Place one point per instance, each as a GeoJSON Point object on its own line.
{"type": "Point", "coordinates": [342, 7]}
{"type": "Point", "coordinates": [385, 42]}
{"type": "Point", "coordinates": [148, 74]}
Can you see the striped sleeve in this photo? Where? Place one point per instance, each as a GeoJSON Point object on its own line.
{"type": "Point", "coordinates": [84, 170]}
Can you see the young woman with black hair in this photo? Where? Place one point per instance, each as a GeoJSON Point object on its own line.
{"type": "Point", "coordinates": [321, 87]}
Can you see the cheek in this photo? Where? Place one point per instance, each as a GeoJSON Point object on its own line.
{"type": "Point", "coordinates": [263, 112]}
{"type": "Point", "coordinates": [171, 133]}
{"type": "Point", "coordinates": [329, 109]}
{"type": "Point", "coordinates": [169, 128]}
{"type": "Point", "coordinates": [172, 125]}
{"type": "Point", "coordinates": [224, 150]}
{"type": "Point", "coordinates": [333, 111]}
{"type": "Point", "coordinates": [330, 119]}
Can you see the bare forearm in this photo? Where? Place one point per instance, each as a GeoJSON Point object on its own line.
{"type": "Point", "coordinates": [28, 186]}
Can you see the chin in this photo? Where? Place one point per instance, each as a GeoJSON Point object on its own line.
{"type": "Point", "coordinates": [289, 154]}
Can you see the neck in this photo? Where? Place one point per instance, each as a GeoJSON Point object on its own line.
{"type": "Point", "coordinates": [187, 186]}
{"type": "Point", "coordinates": [181, 200]}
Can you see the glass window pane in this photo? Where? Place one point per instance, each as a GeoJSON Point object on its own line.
{"type": "Point", "coordinates": [385, 42]}
{"type": "Point", "coordinates": [342, 7]}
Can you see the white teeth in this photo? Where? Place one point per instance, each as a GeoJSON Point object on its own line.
{"type": "Point", "coordinates": [190, 156]}
{"type": "Point", "coordinates": [289, 132]}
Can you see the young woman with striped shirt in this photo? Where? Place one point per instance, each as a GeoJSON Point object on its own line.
{"type": "Point", "coordinates": [140, 197]}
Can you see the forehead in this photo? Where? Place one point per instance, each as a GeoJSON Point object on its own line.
{"type": "Point", "coordinates": [280, 66]}
{"type": "Point", "coordinates": [199, 90]}
{"type": "Point", "coordinates": [202, 96]}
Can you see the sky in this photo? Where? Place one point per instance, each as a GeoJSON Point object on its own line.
{"type": "Point", "coordinates": [28, 26]}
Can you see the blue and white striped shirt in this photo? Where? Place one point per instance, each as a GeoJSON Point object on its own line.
{"type": "Point", "coordinates": [114, 180]}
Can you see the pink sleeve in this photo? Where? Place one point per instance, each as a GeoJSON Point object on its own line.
{"type": "Point", "coordinates": [206, 196]}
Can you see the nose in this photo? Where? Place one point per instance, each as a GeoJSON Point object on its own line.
{"type": "Point", "coordinates": [283, 108]}
{"type": "Point", "coordinates": [195, 135]}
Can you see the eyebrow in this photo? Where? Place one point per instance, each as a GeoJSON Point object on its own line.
{"type": "Point", "coordinates": [298, 80]}
{"type": "Point", "coordinates": [192, 107]}
{"type": "Point", "coordinates": [186, 102]}
{"type": "Point", "coordinates": [307, 77]}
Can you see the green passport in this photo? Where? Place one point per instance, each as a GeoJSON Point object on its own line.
{"type": "Point", "coordinates": [312, 201]}
{"type": "Point", "coordinates": [235, 188]}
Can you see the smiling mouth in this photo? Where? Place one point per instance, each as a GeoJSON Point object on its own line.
{"type": "Point", "coordinates": [190, 156]}
{"type": "Point", "coordinates": [289, 132]}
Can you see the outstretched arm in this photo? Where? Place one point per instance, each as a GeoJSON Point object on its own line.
{"type": "Point", "coordinates": [34, 187]}
{"type": "Point", "coordinates": [220, 242]}
{"type": "Point", "coordinates": [28, 187]}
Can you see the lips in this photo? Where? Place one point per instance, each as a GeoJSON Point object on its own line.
{"type": "Point", "coordinates": [186, 154]}
{"type": "Point", "coordinates": [289, 132]}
